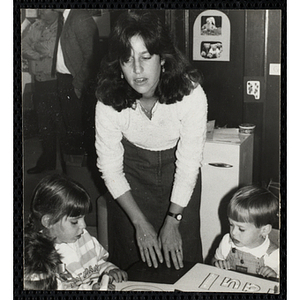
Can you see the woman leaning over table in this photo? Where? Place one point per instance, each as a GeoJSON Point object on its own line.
{"type": "Point", "coordinates": [150, 132]}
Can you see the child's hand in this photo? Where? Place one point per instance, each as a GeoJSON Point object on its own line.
{"type": "Point", "coordinates": [222, 264]}
{"type": "Point", "coordinates": [118, 275]}
{"type": "Point", "coordinates": [266, 272]}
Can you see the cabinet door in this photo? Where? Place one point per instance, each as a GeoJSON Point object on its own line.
{"type": "Point", "coordinates": [217, 182]}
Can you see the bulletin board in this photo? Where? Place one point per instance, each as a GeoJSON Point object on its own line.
{"type": "Point", "coordinates": [211, 36]}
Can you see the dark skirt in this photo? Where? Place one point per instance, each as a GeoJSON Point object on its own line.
{"type": "Point", "coordinates": [151, 175]}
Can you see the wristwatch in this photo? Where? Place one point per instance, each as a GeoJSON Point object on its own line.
{"type": "Point", "coordinates": [178, 217]}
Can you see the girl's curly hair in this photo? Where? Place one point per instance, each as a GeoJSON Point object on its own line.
{"type": "Point", "coordinates": [40, 262]}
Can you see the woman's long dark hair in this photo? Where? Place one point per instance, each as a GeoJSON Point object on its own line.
{"type": "Point", "coordinates": [57, 196]}
{"type": "Point", "coordinates": [178, 79]}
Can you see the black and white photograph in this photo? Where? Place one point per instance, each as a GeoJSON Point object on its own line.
{"type": "Point", "coordinates": [211, 25]}
{"type": "Point", "coordinates": [151, 150]}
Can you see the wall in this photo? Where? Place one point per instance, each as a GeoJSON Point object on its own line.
{"type": "Point", "coordinates": [223, 81]}
{"type": "Point", "coordinates": [262, 47]}
{"type": "Point", "coordinates": [255, 43]}
{"type": "Point", "coordinates": [273, 121]}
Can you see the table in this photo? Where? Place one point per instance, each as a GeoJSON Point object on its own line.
{"type": "Point", "coordinates": [197, 278]}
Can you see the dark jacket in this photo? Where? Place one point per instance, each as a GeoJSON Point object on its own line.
{"type": "Point", "coordinates": [79, 43]}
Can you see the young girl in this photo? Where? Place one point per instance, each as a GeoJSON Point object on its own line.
{"type": "Point", "coordinates": [58, 209]}
{"type": "Point", "coordinates": [247, 248]}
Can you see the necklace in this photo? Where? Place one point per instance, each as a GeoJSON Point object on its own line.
{"type": "Point", "coordinates": [148, 112]}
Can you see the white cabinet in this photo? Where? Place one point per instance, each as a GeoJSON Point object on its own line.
{"type": "Point", "coordinates": [227, 164]}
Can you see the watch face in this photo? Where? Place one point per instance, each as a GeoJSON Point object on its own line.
{"type": "Point", "coordinates": [179, 217]}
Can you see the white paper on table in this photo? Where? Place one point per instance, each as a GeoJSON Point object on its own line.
{"type": "Point", "coordinates": [127, 286]}
{"type": "Point", "coordinates": [205, 278]}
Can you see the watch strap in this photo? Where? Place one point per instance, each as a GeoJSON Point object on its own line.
{"type": "Point", "coordinates": [178, 216]}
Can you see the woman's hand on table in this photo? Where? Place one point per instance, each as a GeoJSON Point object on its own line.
{"type": "Point", "coordinates": [171, 241]}
{"type": "Point", "coordinates": [146, 236]}
{"type": "Point", "coordinates": [148, 244]}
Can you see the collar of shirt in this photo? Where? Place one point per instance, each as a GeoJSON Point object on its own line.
{"type": "Point", "coordinates": [66, 14]}
{"type": "Point", "coordinates": [258, 251]}
{"type": "Point", "coordinates": [60, 63]}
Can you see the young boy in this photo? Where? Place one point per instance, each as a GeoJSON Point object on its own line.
{"type": "Point", "coordinates": [247, 248]}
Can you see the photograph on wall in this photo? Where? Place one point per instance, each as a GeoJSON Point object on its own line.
{"type": "Point", "coordinates": [211, 25]}
{"type": "Point", "coordinates": [211, 49]}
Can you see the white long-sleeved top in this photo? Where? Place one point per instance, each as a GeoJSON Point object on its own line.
{"type": "Point", "coordinates": [182, 123]}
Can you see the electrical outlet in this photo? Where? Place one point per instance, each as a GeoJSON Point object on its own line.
{"type": "Point", "coordinates": [274, 69]}
{"type": "Point", "coordinates": [253, 88]}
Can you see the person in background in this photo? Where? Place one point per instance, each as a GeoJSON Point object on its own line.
{"type": "Point", "coordinates": [76, 70]}
{"type": "Point", "coordinates": [150, 133]}
{"type": "Point", "coordinates": [247, 248]}
{"type": "Point", "coordinates": [38, 44]}
{"type": "Point", "coordinates": [58, 209]}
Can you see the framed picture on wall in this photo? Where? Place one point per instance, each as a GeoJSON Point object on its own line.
{"type": "Point", "coordinates": [211, 36]}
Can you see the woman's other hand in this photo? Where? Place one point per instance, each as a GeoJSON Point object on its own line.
{"type": "Point", "coordinates": [171, 241]}
{"type": "Point", "coordinates": [148, 244]}
{"type": "Point", "coordinates": [145, 234]}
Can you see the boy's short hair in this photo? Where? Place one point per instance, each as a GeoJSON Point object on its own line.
{"type": "Point", "coordinates": [40, 262]}
{"type": "Point", "coordinates": [252, 204]}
